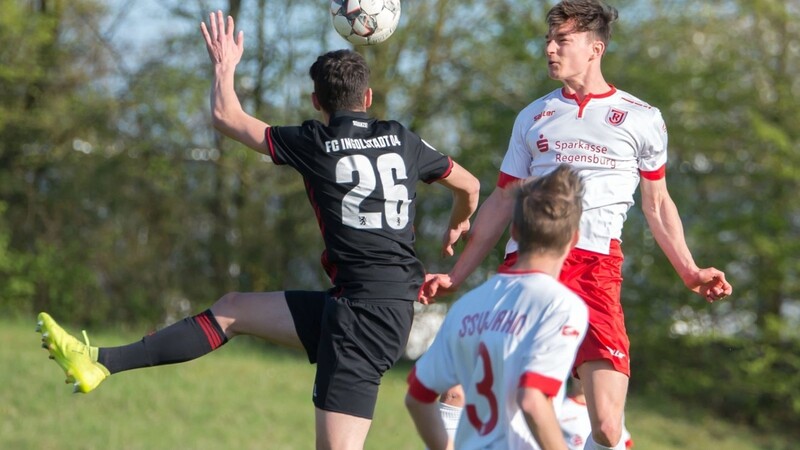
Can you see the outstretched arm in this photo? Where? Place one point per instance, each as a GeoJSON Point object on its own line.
{"type": "Point", "coordinates": [227, 114]}
{"type": "Point", "coordinates": [665, 224]}
{"type": "Point", "coordinates": [466, 191]}
{"type": "Point", "coordinates": [491, 222]}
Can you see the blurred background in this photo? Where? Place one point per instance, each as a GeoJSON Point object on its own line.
{"type": "Point", "coordinates": [120, 205]}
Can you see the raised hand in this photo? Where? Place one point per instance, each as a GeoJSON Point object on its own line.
{"type": "Point", "coordinates": [222, 48]}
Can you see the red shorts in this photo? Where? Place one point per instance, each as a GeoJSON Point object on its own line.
{"type": "Point", "coordinates": [597, 279]}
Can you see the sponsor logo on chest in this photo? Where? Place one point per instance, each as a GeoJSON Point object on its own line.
{"type": "Point", "coordinates": [576, 152]}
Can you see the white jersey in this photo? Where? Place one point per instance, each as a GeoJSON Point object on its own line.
{"type": "Point", "coordinates": [610, 139]}
{"type": "Point", "coordinates": [576, 426]}
{"type": "Point", "coordinates": [518, 329]}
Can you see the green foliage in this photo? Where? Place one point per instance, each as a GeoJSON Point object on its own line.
{"type": "Point", "coordinates": [749, 381]}
{"type": "Point", "coordinates": [123, 205]}
{"type": "Point", "coordinates": [16, 287]}
{"type": "Point", "coordinates": [733, 146]}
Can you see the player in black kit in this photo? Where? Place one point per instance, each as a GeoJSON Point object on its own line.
{"type": "Point", "coordinates": [360, 175]}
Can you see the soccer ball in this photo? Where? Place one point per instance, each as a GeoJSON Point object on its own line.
{"type": "Point", "coordinates": [365, 22]}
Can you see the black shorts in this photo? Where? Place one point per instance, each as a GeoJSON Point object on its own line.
{"type": "Point", "coordinates": [353, 342]}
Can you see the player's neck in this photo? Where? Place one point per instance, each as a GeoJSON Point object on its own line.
{"type": "Point", "coordinates": [590, 83]}
{"type": "Point", "coordinates": [548, 264]}
{"type": "Point", "coordinates": [326, 117]}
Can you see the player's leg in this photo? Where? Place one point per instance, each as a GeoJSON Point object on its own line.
{"type": "Point", "coordinates": [359, 341]}
{"type": "Point", "coordinates": [603, 359]}
{"type": "Point", "coordinates": [261, 314]}
{"type": "Point", "coordinates": [88, 366]}
{"type": "Point", "coordinates": [451, 404]}
{"type": "Point", "coordinates": [337, 431]}
{"type": "Point", "coordinates": [603, 368]}
{"type": "Point", "coordinates": [605, 389]}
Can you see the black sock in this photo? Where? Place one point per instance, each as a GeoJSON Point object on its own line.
{"type": "Point", "coordinates": [182, 341]}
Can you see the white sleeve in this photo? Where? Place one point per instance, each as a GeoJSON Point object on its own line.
{"type": "Point", "coordinates": [517, 161]}
{"type": "Point", "coordinates": [653, 149]}
{"type": "Point", "coordinates": [553, 347]}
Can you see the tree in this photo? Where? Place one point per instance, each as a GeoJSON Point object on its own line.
{"type": "Point", "coordinates": [119, 191]}
{"type": "Point", "coordinates": [722, 74]}
{"type": "Point", "coordinates": [48, 114]}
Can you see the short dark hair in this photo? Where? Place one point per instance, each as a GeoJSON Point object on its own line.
{"type": "Point", "coordinates": [341, 78]}
{"type": "Point", "coordinates": [588, 15]}
{"type": "Point", "coordinates": [547, 211]}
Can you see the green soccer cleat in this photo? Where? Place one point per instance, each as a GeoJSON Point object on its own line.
{"type": "Point", "coordinates": [76, 359]}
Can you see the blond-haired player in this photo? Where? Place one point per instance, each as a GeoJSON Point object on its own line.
{"type": "Point", "coordinates": [510, 342]}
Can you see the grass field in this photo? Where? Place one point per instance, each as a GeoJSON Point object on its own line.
{"type": "Point", "coordinates": [246, 397]}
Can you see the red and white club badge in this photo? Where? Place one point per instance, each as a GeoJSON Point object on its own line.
{"type": "Point", "coordinates": [616, 116]}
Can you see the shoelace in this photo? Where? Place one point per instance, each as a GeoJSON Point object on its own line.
{"type": "Point", "coordinates": [85, 337]}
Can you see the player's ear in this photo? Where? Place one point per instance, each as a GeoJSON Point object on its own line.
{"type": "Point", "coordinates": [367, 99]}
{"type": "Point", "coordinates": [315, 101]}
{"type": "Point", "coordinates": [598, 48]}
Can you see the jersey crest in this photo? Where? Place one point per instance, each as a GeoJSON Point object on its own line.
{"type": "Point", "coordinates": [616, 116]}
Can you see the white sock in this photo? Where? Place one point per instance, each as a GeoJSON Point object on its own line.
{"type": "Point", "coordinates": [450, 415]}
{"type": "Point", "coordinates": [592, 445]}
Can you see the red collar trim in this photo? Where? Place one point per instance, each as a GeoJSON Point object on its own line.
{"type": "Point", "coordinates": [582, 105]}
{"type": "Point", "coordinates": [611, 91]}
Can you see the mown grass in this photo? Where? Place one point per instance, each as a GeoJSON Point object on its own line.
{"type": "Point", "coordinates": [245, 396]}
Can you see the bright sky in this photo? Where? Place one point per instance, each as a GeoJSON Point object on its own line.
{"type": "Point", "coordinates": [137, 24]}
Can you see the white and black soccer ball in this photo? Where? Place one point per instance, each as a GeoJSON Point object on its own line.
{"type": "Point", "coordinates": [365, 22]}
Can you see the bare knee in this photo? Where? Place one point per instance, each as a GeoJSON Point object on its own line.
{"type": "Point", "coordinates": [608, 432]}
{"type": "Point", "coordinates": [226, 311]}
{"type": "Point", "coordinates": [453, 396]}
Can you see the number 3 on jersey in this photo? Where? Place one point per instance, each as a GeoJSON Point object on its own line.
{"type": "Point", "coordinates": [396, 201]}
{"type": "Point", "coordinates": [484, 388]}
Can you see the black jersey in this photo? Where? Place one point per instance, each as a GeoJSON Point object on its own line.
{"type": "Point", "coordinates": [360, 176]}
